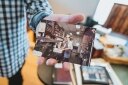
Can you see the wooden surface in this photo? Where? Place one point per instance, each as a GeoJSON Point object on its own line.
{"type": "Point", "coordinates": [116, 59]}
{"type": "Point", "coordinates": [118, 19]}
{"type": "Point", "coordinates": [45, 73]}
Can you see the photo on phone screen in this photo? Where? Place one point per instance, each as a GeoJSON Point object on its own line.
{"type": "Point", "coordinates": [64, 42]}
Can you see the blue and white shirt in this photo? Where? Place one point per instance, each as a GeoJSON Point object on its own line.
{"type": "Point", "coordinates": [13, 36]}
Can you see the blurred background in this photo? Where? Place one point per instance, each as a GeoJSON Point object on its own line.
{"type": "Point", "coordinates": [110, 18]}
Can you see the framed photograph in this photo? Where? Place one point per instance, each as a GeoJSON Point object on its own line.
{"type": "Point", "coordinates": [97, 75]}
{"type": "Point", "coordinates": [65, 42]}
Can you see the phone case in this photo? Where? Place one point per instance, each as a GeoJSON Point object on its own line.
{"type": "Point", "coordinates": [64, 42]}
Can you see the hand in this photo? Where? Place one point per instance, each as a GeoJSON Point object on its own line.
{"type": "Point", "coordinates": [70, 19]}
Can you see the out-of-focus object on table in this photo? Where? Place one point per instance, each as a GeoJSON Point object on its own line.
{"type": "Point", "coordinates": [45, 72]}
{"type": "Point", "coordinates": [98, 49]}
{"type": "Point", "coordinates": [102, 30]}
{"type": "Point", "coordinates": [98, 62]}
{"type": "Point", "coordinates": [115, 48]}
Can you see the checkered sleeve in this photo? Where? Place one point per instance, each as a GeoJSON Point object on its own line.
{"type": "Point", "coordinates": [37, 10]}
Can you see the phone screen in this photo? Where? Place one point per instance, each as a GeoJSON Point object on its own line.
{"type": "Point", "coordinates": [65, 42]}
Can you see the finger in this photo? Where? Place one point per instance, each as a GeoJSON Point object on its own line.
{"type": "Point", "coordinates": [66, 66]}
{"type": "Point", "coordinates": [41, 60]}
{"type": "Point", "coordinates": [51, 62]}
{"type": "Point", "coordinates": [71, 19]}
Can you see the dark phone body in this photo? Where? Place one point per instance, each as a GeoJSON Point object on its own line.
{"type": "Point", "coordinates": [65, 42]}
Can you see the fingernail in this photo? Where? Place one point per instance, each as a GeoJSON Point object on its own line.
{"type": "Point", "coordinates": [39, 62]}
{"type": "Point", "coordinates": [47, 62]}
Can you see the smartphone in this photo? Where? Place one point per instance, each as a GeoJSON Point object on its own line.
{"type": "Point", "coordinates": [64, 42]}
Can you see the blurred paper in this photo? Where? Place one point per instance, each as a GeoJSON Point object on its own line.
{"type": "Point", "coordinates": [102, 30]}
{"type": "Point", "coordinates": [115, 40]}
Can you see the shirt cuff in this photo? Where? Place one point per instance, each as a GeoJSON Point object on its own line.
{"type": "Point", "coordinates": [37, 18]}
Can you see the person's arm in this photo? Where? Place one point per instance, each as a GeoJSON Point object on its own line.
{"type": "Point", "coordinates": [37, 10]}
{"type": "Point", "coordinates": [40, 9]}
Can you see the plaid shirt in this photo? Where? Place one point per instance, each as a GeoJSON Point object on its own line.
{"type": "Point", "coordinates": [13, 36]}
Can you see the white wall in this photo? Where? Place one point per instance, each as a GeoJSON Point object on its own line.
{"type": "Point", "coordinates": [87, 7]}
{"type": "Point", "coordinates": [104, 8]}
